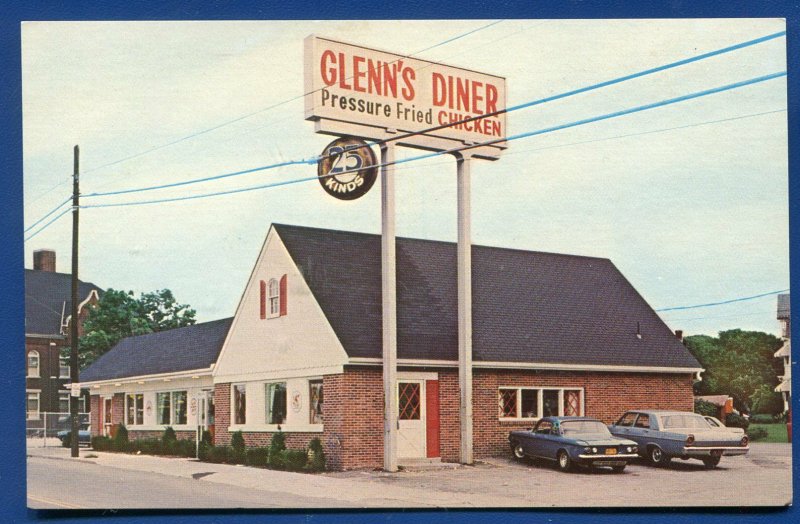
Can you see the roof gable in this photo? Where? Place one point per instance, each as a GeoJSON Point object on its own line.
{"type": "Point", "coordinates": [528, 307]}
{"type": "Point", "coordinates": [48, 296]}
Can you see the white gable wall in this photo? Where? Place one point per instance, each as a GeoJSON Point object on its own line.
{"type": "Point", "coordinates": [299, 344]}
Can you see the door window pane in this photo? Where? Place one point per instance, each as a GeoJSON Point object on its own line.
{"type": "Point", "coordinates": [409, 401]}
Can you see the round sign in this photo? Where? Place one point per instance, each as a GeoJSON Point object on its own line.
{"type": "Point", "coordinates": [297, 400]}
{"type": "Point", "coordinates": [347, 168]}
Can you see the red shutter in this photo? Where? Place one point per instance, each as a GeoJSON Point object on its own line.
{"type": "Point", "coordinates": [283, 295]}
{"type": "Point", "coordinates": [263, 300]}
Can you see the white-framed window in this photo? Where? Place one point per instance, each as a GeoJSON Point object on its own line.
{"type": "Point", "coordinates": [315, 401]}
{"type": "Point", "coordinates": [239, 395]}
{"type": "Point", "coordinates": [32, 405]}
{"type": "Point", "coordinates": [63, 402]}
{"type": "Point", "coordinates": [275, 402]}
{"type": "Point", "coordinates": [274, 298]}
{"type": "Point", "coordinates": [531, 403]}
{"type": "Point", "coordinates": [134, 409]}
{"type": "Point", "coordinates": [33, 363]}
{"type": "Point", "coordinates": [171, 408]}
{"type": "Point", "coordinates": [63, 367]}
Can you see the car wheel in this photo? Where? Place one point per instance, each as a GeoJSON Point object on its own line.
{"type": "Point", "coordinates": [657, 457]}
{"type": "Point", "coordinates": [518, 452]}
{"type": "Point", "coordinates": [618, 469]}
{"type": "Point", "coordinates": [564, 462]}
{"type": "Point", "coordinates": [711, 462]}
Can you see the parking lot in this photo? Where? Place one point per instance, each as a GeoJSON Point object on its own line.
{"type": "Point", "coordinates": [761, 478]}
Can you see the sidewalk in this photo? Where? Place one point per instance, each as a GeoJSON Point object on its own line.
{"type": "Point", "coordinates": [350, 489]}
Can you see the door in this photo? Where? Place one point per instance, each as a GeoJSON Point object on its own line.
{"type": "Point", "coordinates": [106, 421]}
{"type": "Point", "coordinates": [411, 434]}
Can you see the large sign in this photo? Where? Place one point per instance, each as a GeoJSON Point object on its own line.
{"type": "Point", "coordinates": [347, 168]}
{"type": "Point", "coordinates": [354, 90]}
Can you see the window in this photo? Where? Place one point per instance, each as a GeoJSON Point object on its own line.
{"type": "Point", "coordinates": [544, 427]}
{"type": "Point", "coordinates": [33, 364]}
{"type": "Point", "coordinates": [63, 367]}
{"type": "Point", "coordinates": [643, 421]}
{"type": "Point", "coordinates": [274, 298]}
{"type": "Point", "coordinates": [534, 403]}
{"type": "Point", "coordinates": [163, 408]}
{"type": "Point", "coordinates": [626, 420]}
{"type": "Point", "coordinates": [409, 400]}
{"type": "Point", "coordinates": [32, 405]}
{"type": "Point", "coordinates": [239, 403]}
{"type": "Point", "coordinates": [63, 402]}
{"type": "Point", "coordinates": [134, 409]}
{"type": "Point", "coordinates": [179, 407]}
{"type": "Point", "coordinates": [276, 403]}
{"type": "Point", "coordinates": [315, 404]}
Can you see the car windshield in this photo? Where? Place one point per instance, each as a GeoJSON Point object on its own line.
{"type": "Point", "coordinates": [577, 427]}
{"type": "Point", "coordinates": [684, 422]}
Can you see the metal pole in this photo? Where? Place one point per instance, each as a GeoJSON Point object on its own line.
{"type": "Point", "coordinates": [464, 307]}
{"type": "Point", "coordinates": [389, 305]}
{"type": "Point", "coordinates": [73, 357]}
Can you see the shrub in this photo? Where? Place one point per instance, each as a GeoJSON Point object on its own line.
{"type": "Point", "coordinates": [206, 438]}
{"type": "Point", "coordinates": [705, 408]}
{"type": "Point", "coordinates": [762, 418]}
{"type": "Point", "coordinates": [736, 421]}
{"type": "Point", "coordinates": [101, 443]}
{"type": "Point", "coordinates": [291, 459]}
{"type": "Point", "coordinates": [276, 445]}
{"type": "Point", "coordinates": [169, 440]}
{"type": "Point", "coordinates": [258, 457]}
{"type": "Point", "coordinates": [758, 434]}
{"type": "Point", "coordinates": [121, 442]}
{"type": "Point", "coordinates": [219, 454]}
{"type": "Point", "coordinates": [67, 442]}
{"type": "Point", "coordinates": [149, 446]}
{"type": "Point", "coordinates": [316, 456]}
{"type": "Point", "coordinates": [238, 448]}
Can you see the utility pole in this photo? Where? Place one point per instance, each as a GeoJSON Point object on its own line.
{"type": "Point", "coordinates": [75, 390]}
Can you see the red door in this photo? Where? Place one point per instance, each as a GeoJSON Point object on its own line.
{"type": "Point", "coordinates": [432, 422]}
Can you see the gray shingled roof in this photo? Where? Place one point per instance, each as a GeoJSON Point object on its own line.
{"type": "Point", "coordinates": [784, 307]}
{"type": "Point", "coordinates": [527, 306]}
{"type": "Point", "coordinates": [47, 295]}
{"type": "Point", "coordinates": [170, 351]}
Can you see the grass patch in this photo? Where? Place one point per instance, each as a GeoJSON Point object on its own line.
{"type": "Point", "coordinates": [775, 432]}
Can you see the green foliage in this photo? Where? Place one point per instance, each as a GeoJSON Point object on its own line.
{"type": "Point", "coordinates": [758, 434]}
{"type": "Point", "coordinates": [120, 439]}
{"type": "Point", "coordinates": [737, 363]}
{"type": "Point", "coordinates": [276, 445]}
{"type": "Point", "coordinates": [238, 447]}
{"type": "Point", "coordinates": [705, 408]}
{"type": "Point", "coordinates": [67, 442]}
{"type": "Point", "coordinates": [101, 443]}
{"type": "Point", "coordinates": [290, 460]}
{"type": "Point", "coordinates": [762, 418]}
{"type": "Point", "coordinates": [118, 314]}
{"type": "Point", "coordinates": [219, 454]}
{"type": "Point", "coordinates": [765, 400]}
{"type": "Point", "coordinates": [169, 440]}
{"type": "Point", "coordinates": [316, 454]}
{"type": "Point", "coordinates": [736, 421]}
{"type": "Point", "coordinates": [258, 457]}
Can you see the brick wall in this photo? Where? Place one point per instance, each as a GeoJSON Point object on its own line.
{"type": "Point", "coordinates": [222, 414]}
{"type": "Point", "coordinates": [95, 407]}
{"type": "Point", "coordinates": [118, 409]}
{"type": "Point", "coordinates": [134, 434]}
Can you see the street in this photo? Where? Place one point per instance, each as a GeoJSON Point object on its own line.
{"type": "Point", "coordinates": [119, 481]}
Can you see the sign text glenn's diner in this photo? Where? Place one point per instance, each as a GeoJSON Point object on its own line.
{"type": "Point", "coordinates": [363, 86]}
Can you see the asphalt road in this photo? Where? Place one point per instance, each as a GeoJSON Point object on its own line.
{"type": "Point", "coordinates": [119, 481]}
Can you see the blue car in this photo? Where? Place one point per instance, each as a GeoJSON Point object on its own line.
{"type": "Point", "coordinates": [571, 441]}
{"type": "Point", "coordinates": [664, 435]}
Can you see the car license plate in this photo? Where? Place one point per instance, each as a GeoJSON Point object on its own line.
{"type": "Point", "coordinates": [611, 451]}
{"type": "Point", "coordinates": [609, 463]}
{"type": "Point", "coordinates": [716, 452]}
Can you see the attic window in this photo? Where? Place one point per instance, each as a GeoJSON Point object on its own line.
{"type": "Point", "coordinates": [273, 298]}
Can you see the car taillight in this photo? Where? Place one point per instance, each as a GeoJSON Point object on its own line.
{"type": "Point", "coordinates": [744, 441]}
{"type": "Point", "coordinates": [690, 440]}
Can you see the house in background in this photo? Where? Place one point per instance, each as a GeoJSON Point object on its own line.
{"type": "Point", "coordinates": [723, 403]}
{"type": "Point", "coordinates": [48, 307]}
{"type": "Point", "coordinates": [785, 352]}
{"type": "Point", "coordinates": [552, 335]}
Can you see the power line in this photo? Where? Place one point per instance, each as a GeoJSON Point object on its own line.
{"type": "Point", "coordinates": [470, 119]}
{"type": "Point", "coordinates": [48, 224]}
{"type": "Point", "coordinates": [273, 106]}
{"type": "Point", "coordinates": [710, 304]}
{"type": "Point", "coordinates": [48, 214]}
{"type": "Point", "coordinates": [462, 148]}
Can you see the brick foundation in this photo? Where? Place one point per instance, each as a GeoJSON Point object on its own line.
{"type": "Point", "coordinates": [134, 434]}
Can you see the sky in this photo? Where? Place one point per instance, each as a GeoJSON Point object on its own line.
{"type": "Point", "coordinates": [690, 201]}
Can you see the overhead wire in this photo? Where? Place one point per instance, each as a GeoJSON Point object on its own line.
{"type": "Point", "coordinates": [48, 214]}
{"type": "Point", "coordinates": [48, 223]}
{"type": "Point", "coordinates": [731, 301]}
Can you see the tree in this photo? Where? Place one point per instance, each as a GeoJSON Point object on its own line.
{"type": "Point", "coordinates": [118, 314]}
{"type": "Point", "coordinates": [737, 363]}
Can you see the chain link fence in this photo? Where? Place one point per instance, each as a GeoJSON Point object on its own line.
{"type": "Point", "coordinates": [45, 429]}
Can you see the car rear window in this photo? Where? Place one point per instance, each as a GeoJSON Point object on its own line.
{"type": "Point", "coordinates": [575, 427]}
{"type": "Point", "coordinates": [684, 421]}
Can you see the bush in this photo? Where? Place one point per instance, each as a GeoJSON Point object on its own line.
{"type": "Point", "coordinates": [169, 440]}
{"type": "Point", "coordinates": [276, 445]}
{"type": "Point", "coordinates": [67, 442]}
{"type": "Point", "coordinates": [185, 448]}
{"type": "Point", "coordinates": [758, 434]}
{"type": "Point", "coordinates": [149, 446]}
{"type": "Point", "coordinates": [219, 454]}
{"type": "Point", "coordinates": [762, 418]}
{"type": "Point", "coordinates": [290, 459]}
{"type": "Point", "coordinates": [736, 421]}
{"type": "Point", "coordinates": [121, 442]}
{"type": "Point", "coordinates": [258, 457]}
{"type": "Point", "coordinates": [238, 449]}
{"type": "Point", "coordinates": [316, 456]}
{"type": "Point", "coordinates": [101, 443]}
{"type": "Point", "coordinates": [707, 409]}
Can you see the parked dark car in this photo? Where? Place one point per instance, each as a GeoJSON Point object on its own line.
{"type": "Point", "coordinates": [573, 441]}
{"type": "Point", "coordinates": [84, 437]}
{"type": "Point", "coordinates": [663, 435]}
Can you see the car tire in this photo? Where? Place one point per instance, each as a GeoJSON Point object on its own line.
{"type": "Point", "coordinates": [711, 462]}
{"type": "Point", "coordinates": [563, 460]}
{"type": "Point", "coordinates": [657, 457]}
{"type": "Point", "coordinates": [618, 469]}
{"type": "Point", "coordinates": [517, 451]}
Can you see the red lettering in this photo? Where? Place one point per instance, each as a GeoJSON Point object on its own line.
{"type": "Point", "coordinates": [439, 95]}
{"type": "Point", "coordinates": [462, 86]}
{"type": "Point", "coordinates": [328, 73]}
{"type": "Point", "coordinates": [358, 74]}
{"type": "Point", "coordinates": [390, 79]}
{"type": "Point", "coordinates": [342, 73]}
{"type": "Point", "coordinates": [408, 77]}
{"type": "Point", "coordinates": [374, 77]}
{"type": "Point", "coordinates": [476, 97]}
{"type": "Point", "coordinates": [491, 98]}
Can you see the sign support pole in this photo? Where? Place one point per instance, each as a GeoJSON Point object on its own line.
{"type": "Point", "coordinates": [389, 305]}
{"type": "Point", "coordinates": [465, 306]}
